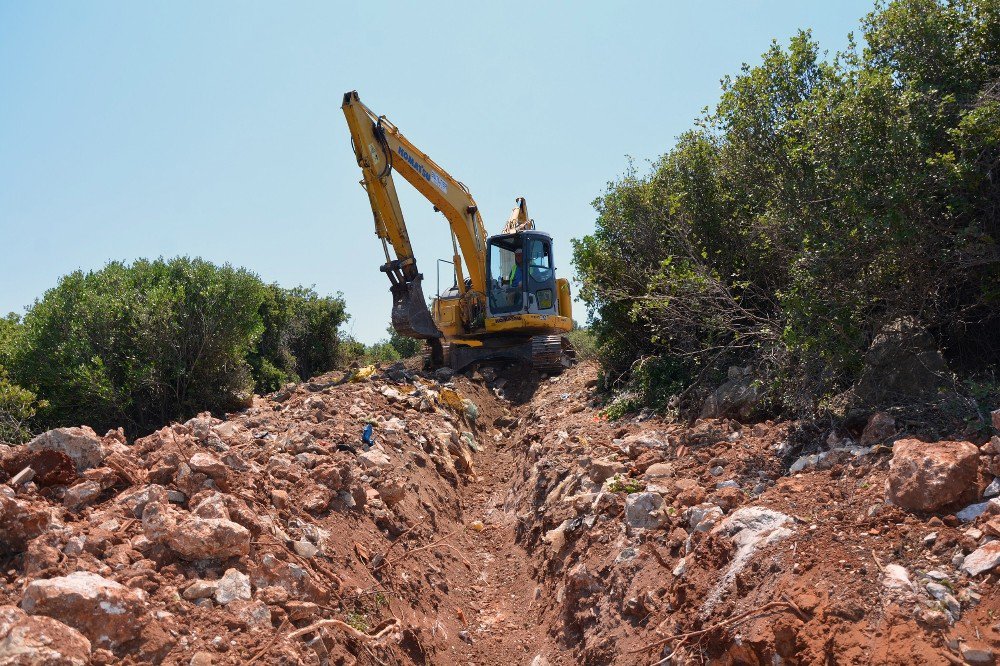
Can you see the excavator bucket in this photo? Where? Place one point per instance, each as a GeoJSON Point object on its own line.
{"type": "Point", "coordinates": [410, 316]}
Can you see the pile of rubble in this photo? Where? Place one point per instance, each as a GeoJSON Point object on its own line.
{"type": "Point", "coordinates": [679, 544]}
{"type": "Point", "coordinates": [495, 518]}
{"type": "Point", "coordinates": [203, 538]}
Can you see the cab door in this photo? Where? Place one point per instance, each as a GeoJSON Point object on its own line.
{"type": "Point", "coordinates": [541, 275]}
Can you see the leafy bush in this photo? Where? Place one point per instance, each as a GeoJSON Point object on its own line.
{"type": "Point", "coordinates": [301, 336]}
{"type": "Point", "coordinates": [142, 344]}
{"type": "Point", "coordinates": [582, 340]}
{"type": "Point", "coordinates": [406, 347]}
{"type": "Point", "coordinates": [820, 202]}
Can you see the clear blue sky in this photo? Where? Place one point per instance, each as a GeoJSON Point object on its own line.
{"type": "Point", "coordinates": [213, 129]}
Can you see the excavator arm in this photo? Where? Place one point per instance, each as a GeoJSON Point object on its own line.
{"type": "Point", "coordinates": [380, 149]}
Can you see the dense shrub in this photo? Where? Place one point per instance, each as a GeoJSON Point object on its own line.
{"type": "Point", "coordinates": [819, 202]}
{"type": "Point", "coordinates": [301, 336]}
{"type": "Point", "coordinates": [406, 347]}
{"type": "Point", "coordinates": [142, 344]}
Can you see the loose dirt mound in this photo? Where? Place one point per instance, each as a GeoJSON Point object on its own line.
{"type": "Point", "coordinates": [497, 519]}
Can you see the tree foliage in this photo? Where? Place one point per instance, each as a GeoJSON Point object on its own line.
{"type": "Point", "coordinates": [142, 344]}
{"type": "Point", "coordinates": [818, 202]}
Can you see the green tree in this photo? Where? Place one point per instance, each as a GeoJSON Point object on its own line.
{"type": "Point", "coordinates": [818, 202]}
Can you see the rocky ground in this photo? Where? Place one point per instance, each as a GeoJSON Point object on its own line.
{"type": "Point", "coordinates": [398, 518]}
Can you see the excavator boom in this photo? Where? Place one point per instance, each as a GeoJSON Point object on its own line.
{"type": "Point", "coordinates": [506, 302]}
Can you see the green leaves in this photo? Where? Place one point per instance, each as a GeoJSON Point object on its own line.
{"type": "Point", "coordinates": [821, 200]}
{"type": "Point", "coordinates": [139, 345]}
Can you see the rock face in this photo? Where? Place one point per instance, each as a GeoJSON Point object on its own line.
{"type": "Point", "coordinates": [929, 477]}
{"type": "Point", "coordinates": [750, 528]}
{"type": "Point", "coordinates": [27, 640]}
{"type": "Point", "coordinates": [104, 611]}
{"type": "Point", "coordinates": [81, 444]}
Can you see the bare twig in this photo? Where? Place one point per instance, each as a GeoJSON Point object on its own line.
{"type": "Point", "coordinates": [416, 550]}
{"type": "Point", "coordinates": [751, 614]}
{"type": "Point", "coordinates": [270, 643]}
{"type": "Point", "coordinates": [331, 622]}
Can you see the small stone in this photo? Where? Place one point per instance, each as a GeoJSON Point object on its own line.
{"type": "Point", "coordinates": [943, 594]}
{"type": "Point", "coordinates": [255, 614]}
{"type": "Point", "coordinates": [374, 459]}
{"type": "Point", "coordinates": [202, 658]}
{"type": "Point", "coordinates": [208, 538]}
{"type": "Point", "coordinates": [20, 522]}
{"type": "Point", "coordinates": [305, 549]}
{"type": "Point", "coordinates": [301, 610]}
{"type": "Point", "coordinates": [210, 466]}
{"type": "Point", "coordinates": [81, 495]}
{"type": "Point", "coordinates": [880, 428]}
{"type": "Point", "coordinates": [717, 470]}
{"type": "Point", "coordinates": [233, 585]}
{"type": "Point", "coordinates": [973, 511]}
{"type": "Point", "coordinates": [930, 538]}
{"type": "Point", "coordinates": [896, 577]}
{"type": "Point", "coordinates": [279, 498]}
{"type": "Point", "coordinates": [602, 469]}
{"type": "Point", "coordinates": [704, 517]}
{"type": "Point", "coordinates": [200, 589]}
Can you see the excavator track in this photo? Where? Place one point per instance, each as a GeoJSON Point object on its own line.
{"type": "Point", "coordinates": [551, 353]}
{"type": "Point", "coordinates": [544, 353]}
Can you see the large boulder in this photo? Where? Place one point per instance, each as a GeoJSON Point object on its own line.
{"type": "Point", "coordinates": [20, 522]}
{"type": "Point", "coordinates": [931, 476]}
{"type": "Point", "coordinates": [738, 398]}
{"type": "Point", "coordinates": [27, 640]}
{"type": "Point", "coordinates": [196, 538]}
{"type": "Point", "coordinates": [106, 612]}
{"type": "Point", "coordinates": [644, 510]}
{"type": "Point", "coordinates": [902, 363]}
{"type": "Point", "coordinates": [193, 536]}
{"type": "Point", "coordinates": [81, 444]}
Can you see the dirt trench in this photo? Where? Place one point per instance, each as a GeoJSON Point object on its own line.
{"type": "Point", "coordinates": [488, 519]}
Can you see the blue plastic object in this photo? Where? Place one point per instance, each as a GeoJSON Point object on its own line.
{"type": "Point", "coordinates": [366, 436]}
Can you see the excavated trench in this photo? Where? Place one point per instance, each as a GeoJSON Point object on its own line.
{"type": "Point", "coordinates": [492, 519]}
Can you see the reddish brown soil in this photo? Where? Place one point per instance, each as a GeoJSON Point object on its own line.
{"type": "Point", "coordinates": [467, 566]}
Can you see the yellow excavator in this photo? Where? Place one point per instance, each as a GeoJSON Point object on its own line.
{"type": "Point", "coordinates": [505, 305]}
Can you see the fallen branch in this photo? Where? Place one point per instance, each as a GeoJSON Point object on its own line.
{"type": "Point", "coordinates": [331, 622]}
{"type": "Point", "coordinates": [270, 643]}
{"type": "Point", "coordinates": [381, 558]}
{"type": "Point", "coordinates": [751, 614]}
{"type": "Point", "coordinates": [416, 550]}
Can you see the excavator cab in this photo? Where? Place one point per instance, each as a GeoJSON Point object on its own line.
{"type": "Point", "coordinates": [522, 276]}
